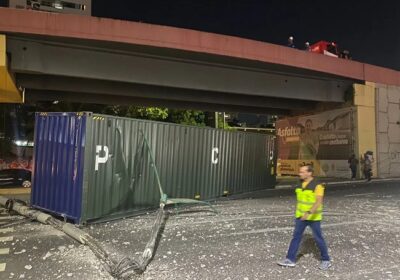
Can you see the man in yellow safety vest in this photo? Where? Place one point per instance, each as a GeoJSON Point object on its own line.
{"type": "Point", "coordinates": [308, 213]}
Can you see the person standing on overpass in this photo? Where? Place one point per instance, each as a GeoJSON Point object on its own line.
{"type": "Point", "coordinates": [307, 47]}
{"type": "Point", "coordinates": [290, 43]}
{"type": "Point", "coordinates": [308, 213]}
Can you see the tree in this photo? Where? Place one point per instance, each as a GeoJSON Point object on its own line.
{"type": "Point", "coordinates": [150, 113]}
{"type": "Point", "coordinates": [187, 117]}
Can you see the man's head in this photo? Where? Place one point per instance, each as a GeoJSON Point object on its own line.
{"type": "Point", "coordinates": [306, 172]}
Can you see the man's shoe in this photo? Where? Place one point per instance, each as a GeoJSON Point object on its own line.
{"type": "Point", "coordinates": [287, 263]}
{"type": "Point", "coordinates": [325, 265]}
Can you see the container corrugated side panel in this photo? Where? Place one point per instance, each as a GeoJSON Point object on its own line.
{"type": "Point", "coordinates": [250, 159]}
{"type": "Point", "coordinates": [58, 163]}
{"type": "Point", "coordinates": [127, 182]}
{"type": "Point", "coordinates": [193, 171]}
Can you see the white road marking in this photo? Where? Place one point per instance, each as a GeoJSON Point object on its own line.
{"type": "Point", "coordinates": [6, 239]}
{"type": "Point", "coordinates": [359, 194]}
{"type": "Point", "coordinates": [2, 218]}
{"type": "Point", "coordinates": [4, 251]}
{"type": "Point", "coordinates": [236, 219]}
{"type": "Point", "coordinates": [5, 230]}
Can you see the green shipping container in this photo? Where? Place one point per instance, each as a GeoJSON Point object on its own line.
{"type": "Point", "coordinates": [91, 167]}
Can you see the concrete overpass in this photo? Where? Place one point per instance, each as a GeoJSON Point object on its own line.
{"type": "Point", "coordinates": [50, 56]}
{"type": "Point", "coordinates": [87, 59]}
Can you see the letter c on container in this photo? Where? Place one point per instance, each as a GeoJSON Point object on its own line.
{"type": "Point", "coordinates": [214, 155]}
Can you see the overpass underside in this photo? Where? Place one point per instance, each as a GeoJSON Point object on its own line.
{"type": "Point", "coordinates": [51, 68]}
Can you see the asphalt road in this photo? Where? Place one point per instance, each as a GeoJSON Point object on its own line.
{"type": "Point", "coordinates": [361, 226]}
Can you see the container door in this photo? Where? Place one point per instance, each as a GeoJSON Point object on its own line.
{"type": "Point", "coordinates": [58, 163]}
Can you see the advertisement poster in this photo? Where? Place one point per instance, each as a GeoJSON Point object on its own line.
{"type": "Point", "coordinates": [323, 140]}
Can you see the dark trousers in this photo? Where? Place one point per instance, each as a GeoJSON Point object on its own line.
{"type": "Point", "coordinates": [353, 171]}
{"type": "Point", "coordinates": [298, 234]}
{"type": "Point", "coordinates": [368, 173]}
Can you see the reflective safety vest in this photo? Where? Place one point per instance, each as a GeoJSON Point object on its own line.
{"type": "Point", "coordinates": [305, 200]}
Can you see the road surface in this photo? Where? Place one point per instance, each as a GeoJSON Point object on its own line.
{"type": "Point", "coordinates": [361, 226]}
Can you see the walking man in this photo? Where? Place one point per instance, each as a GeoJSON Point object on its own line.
{"type": "Point", "coordinates": [308, 213]}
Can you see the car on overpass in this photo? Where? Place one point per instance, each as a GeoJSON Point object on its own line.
{"type": "Point", "coordinates": [329, 49]}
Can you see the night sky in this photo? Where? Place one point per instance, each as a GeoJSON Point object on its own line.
{"type": "Point", "coordinates": [369, 29]}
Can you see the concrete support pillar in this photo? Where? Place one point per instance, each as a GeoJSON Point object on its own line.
{"type": "Point", "coordinates": [365, 123]}
{"type": "Point", "coordinates": [388, 130]}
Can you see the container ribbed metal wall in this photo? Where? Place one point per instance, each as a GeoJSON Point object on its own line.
{"type": "Point", "coordinates": [118, 177]}
{"type": "Point", "coordinates": [58, 163]}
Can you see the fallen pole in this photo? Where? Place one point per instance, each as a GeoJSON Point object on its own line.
{"type": "Point", "coordinates": [124, 269]}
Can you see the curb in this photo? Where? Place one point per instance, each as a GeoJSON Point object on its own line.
{"type": "Point", "coordinates": [279, 187]}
